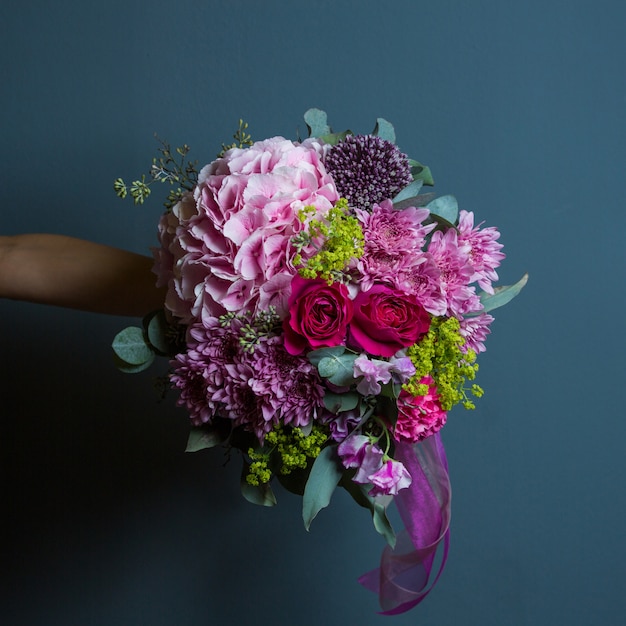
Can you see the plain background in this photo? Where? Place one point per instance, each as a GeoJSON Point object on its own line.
{"type": "Point", "coordinates": [518, 108]}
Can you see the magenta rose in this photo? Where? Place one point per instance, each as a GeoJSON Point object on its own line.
{"type": "Point", "coordinates": [318, 316]}
{"type": "Point", "coordinates": [386, 320]}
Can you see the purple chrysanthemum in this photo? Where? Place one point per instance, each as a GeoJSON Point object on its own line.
{"type": "Point", "coordinates": [367, 170]}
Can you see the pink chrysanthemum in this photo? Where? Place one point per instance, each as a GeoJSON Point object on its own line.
{"type": "Point", "coordinates": [419, 416]}
{"type": "Point", "coordinates": [475, 330]}
{"type": "Point", "coordinates": [393, 241]}
{"type": "Point", "coordinates": [452, 258]}
{"type": "Point", "coordinates": [484, 251]}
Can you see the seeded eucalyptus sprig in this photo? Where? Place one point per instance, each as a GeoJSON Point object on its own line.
{"type": "Point", "coordinates": [170, 167]}
{"type": "Point", "coordinates": [241, 137]}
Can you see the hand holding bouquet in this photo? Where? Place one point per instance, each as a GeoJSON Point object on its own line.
{"type": "Point", "coordinates": [328, 318]}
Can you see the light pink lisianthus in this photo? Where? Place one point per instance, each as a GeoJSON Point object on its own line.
{"type": "Point", "coordinates": [222, 248]}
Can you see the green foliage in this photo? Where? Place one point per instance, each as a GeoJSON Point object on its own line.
{"type": "Point", "coordinates": [170, 167]}
{"type": "Point", "coordinates": [205, 437]}
{"type": "Point", "coordinates": [334, 363]}
{"type": "Point", "coordinates": [132, 350]}
{"type": "Point", "coordinates": [323, 480]}
{"type": "Point", "coordinates": [421, 172]}
{"type": "Point", "coordinates": [502, 295]}
{"type": "Point", "coordinates": [445, 207]}
{"type": "Point", "coordinates": [241, 137]}
{"type": "Point", "coordinates": [384, 130]}
{"type": "Point", "coordinates": [317, 123]}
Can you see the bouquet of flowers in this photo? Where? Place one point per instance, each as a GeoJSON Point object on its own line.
{"type": "Point", "coordinates": [323, 316]}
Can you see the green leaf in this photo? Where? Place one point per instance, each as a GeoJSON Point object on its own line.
{"type": "Point", "coordinates": [446, 207]}
{"type": "Point", "coordinates": [417, 201]}
{"type": "Point", "coordinates": [421, 172]}
{"type": "Point", "coordinates": [157, 329]}
{"type": "Point", "coordinates": [502, 295]}
{"type": "Point", "coordinates": [323, 480]}
{"type": "Point", "coordinates": [204, 437]}
{"type": "Point", "coordinates": [131, 347]}
{"type": "Point", "coordinates": [260, 494]}
{"type": "Point", "coordinates": [338, 402]}
{"type": "Point", "coordinates": [316, 121]}
{"type": "Point", "coordinates": [317, 355]}
{"type": "Point", "coordinates": [378, 510]}
{"type": "Point", "coordinates": [410, 191]}
{"type": "Point", "coordinates": [382, 524]}
{"type": "Point", "coordinates": [338, 369]}
{"type": "Point", "coordinates": [334, 138]}
{"type": "Point", "coordinates": [127, 368]}
{"type": "Point", "coordinates": [384, 130]}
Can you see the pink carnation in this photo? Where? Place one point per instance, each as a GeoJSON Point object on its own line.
{"type": "Point", "coordinates": [419, 416]}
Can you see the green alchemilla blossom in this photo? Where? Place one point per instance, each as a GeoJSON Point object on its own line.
{"type": "Point", "coordinates": [440, 354]}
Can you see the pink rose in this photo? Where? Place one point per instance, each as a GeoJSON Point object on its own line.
{"type": "Point", "coordinates": [419, 416]}
{"type": "Point", "coordinates": [319, 315]}
{"type": "Point", "coordinates": [386, 320]}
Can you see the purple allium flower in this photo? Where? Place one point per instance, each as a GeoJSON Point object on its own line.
{"type": "Point", "coordinates": [367, 169]}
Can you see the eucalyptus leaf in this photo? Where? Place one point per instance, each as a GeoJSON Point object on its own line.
{"type": "Point", "coordinates": [317, 355]}
{"type": "Point", "coordinates": [339, 402]}
{"type": "Point", "coordinates": [416, 201]}
{"type": "Point", "coordinates": [384, 130]}
{"type": "Point", "coordinates": [382, 524]}
{"type": "Point", "coordinates": [157, 329]}
{"type": "Point", "coordinates": [446, 207]}
{"type": "Point", "coordinates": [131, 347]}
{"type": "Point", "coordinates": [317, 123]}
{"type": "Point", "coordinates": [323, 479]}
{"type": "Point", "coordinates": [421, 172]}
{"type": "Point", "coordinates": [502, 295]}
{"type": "Point", "coordinates": [410, 191]}
{"type": "Point", "coordinates": [338, 369]}
{"type": "Point", "coordinates": [127, 368]}
{"type": "Point", "coordinates": [334, 138]}
{"type": "Point", "coordinates": [204, 437]}
{"type": "Point", "coordinates": [375, 505]}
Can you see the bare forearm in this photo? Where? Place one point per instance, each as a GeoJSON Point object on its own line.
{"type": "Point", "coordinates": [78, 274]}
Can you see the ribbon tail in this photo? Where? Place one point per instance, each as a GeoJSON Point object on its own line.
{"type": "Point", "coordinates": [402, 580]}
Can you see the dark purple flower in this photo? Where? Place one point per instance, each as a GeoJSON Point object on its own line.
{"type": "Point", "coordinates": [367, 170]}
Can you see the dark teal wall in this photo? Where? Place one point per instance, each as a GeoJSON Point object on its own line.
{"type": "Point", "coordinates": [519, 109]}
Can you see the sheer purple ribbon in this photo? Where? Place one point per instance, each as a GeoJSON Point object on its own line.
{"type": "Point", "coordinates": [401, 581]}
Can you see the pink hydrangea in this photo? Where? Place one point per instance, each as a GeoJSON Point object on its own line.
{"type": "Point", "coordinates": [228, 247]}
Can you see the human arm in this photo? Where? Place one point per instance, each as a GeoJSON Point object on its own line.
{"type": "Point", "coordinates": [78, 274]}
